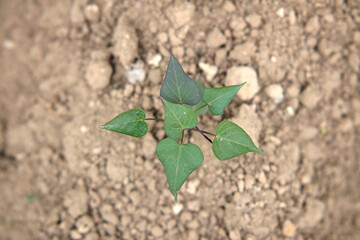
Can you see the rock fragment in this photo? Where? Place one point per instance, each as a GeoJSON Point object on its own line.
{"type": "Point", "coordinates": [288, 228]}
{"type": "Point", "coordinates": [98, 74]}
{"type": "Point", "coordinates": [215, 38]}
{"type": "Point", "coordinates": [76, 201]}
{"type": "Point", "coordinates": [209, 70]}
{"type": "Point", "coordinates": [108, 214]}
{"type": "Point", "coordinates": [311, 96]}
{"type": "Point", "coordinates": [237, 75]}
{"type": "Point", "coordinates": [180, 14]}
{"type": "Point", "coordinates": [92, 12]}
{"type": "Point", "coordinates": [314, 213]}
{"type": "Point", "coordinates": [275, 92]}
{"type": "Point", "coordinates": [125, 42]}
{"type": "Point", "coordinates": [84, 224]}
{"type": "Point", "coordinates": [242, 53]}
{"type": "Point", "coordinates": [313, 25]}
{"type": "Point", "coordinates": [253, 20]}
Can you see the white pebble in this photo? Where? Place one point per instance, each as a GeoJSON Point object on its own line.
{"type": "Point", "coordinates": [209, 70]}
{"type": "Point", "coordinates": [281, 12]}
{"type": "Point", "coordinates": [275, 92]}
{"type": "Point", "coordinates": [135, 72]}
{"type": "Point", "coordinates": [177, 208]}
{"type": "Point", "coordinates": [155, 60]}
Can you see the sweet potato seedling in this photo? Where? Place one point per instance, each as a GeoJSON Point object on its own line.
{"type": "Point", "coordinates": [183, 98]}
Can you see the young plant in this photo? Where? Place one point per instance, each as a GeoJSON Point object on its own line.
{"type": "Point", "coordinates": [183, 98]}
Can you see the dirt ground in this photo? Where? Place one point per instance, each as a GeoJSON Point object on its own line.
{"type": "Point", "coordinates": [69, 66]}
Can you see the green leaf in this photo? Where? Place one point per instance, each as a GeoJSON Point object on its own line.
{"type": "Point", "coordinates": [219, 98]}
{"type": "Point", "coordinates": [179, 87]}
{"type": "Point", "coordinates": [231, 141]}
{"type": "Point", "coordinates": [130, 123]}
{"type": "Point", "coordinates": [179, 161]}
{"type": "Point", "coordinates": [201, 107]}
{"type": "Point", "coordinates": [177, 118]}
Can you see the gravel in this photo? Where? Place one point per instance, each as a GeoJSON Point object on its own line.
{"type": "Point", "coordinates": [237, 75]}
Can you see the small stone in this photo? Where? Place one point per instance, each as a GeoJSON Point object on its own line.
{"type": "Point", "coordinates": [98, 74]}
{"type": "Point", "coordinates": [209, 70]}
{"type": "Point", "coordinates": [249, 182]}
{"type": "Point", "coordinates": [108, 214]}
{"type": "Point", "coordinates": [157, 231]}
{"type": "Point", "coordinates": [194, 205]}
{"type": "Point", "coordinates": [261, 177]}
{"type": "Point", "coordinates": [163, 37]}
{"type": "Point", "coordinates": [288, 228]}
{"type": "Point", "coordinates": [76, 201]}
{"type": "Point", "coordinates": [281, 12]}
{"type": "Point", "coordinates": [243, 53]}
{"type": "Point", "coordinates": [125, 42]}
{"type": "Point", "coordinates": [229, 7]}
{"type": "Point", "coordinates": [135, 72]}
{"type": "Point", "coordinates": [84, 224]}
{"type": "Point", "coordinates": [92, 12]}
{"type": "Point", "coordinates": [311, 96]}
{"type": "Point", "coordinates": [154, 60]}
{"type": "Point", "coordinates": [275, 92]}
{"type": "Point", "coordinates": [242, 199]}
{"type": "Point", "coordinates": [354, 61]}
{"type": "Point", "coordinates": [180, 14]}
{"type": "Point", "coordinates": [237, 24]}
{"type": "Point", "coordinates": [116, 170]}
{"type": "Point", "coordinates": [178, 51]}
{"type": "Point", "coordinates": [135, 197]}
{"type": "Point", "coordinates": [76, 14]}
{"type": "Point", "coordinates": [313, 25]}
{"type": "Point", "coordinates": [237, 75]}
{"type": "Point", "coordinates": [109, 229]}
{"type": "Point", "coordinates": [177, 208]}
{"type": "Point", "coordinates": [192, 186]}
{"type": "Point", "coordinates": [314, 213]}
{"type": "Point", "coordinates": [292, 17]}
{"type": "Point", "coordinates": [253, 20]}
{"type": "Point", "coordinates": [92, 236]}
{"type": "Point", "coordinates": [308, 133]}
{"type": "Point", "coordinates": [235, 235]}
{"type": "Point", "coordinates": [154, 76]}
{"type": "Point", "coordinates": [220, 56]}
{"type": "Point", "coordinates": [75, 235]}
{"type": "Point", "coordinates": [215, 38]}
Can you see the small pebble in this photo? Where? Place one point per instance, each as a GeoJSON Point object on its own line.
{"type": "Point", "coordinates": [209, 70]}
{"type": "Point", "coordinates": [237, 75]}
{"type": "Point", "coordinates": [177, 208]}
{"type": "Point", "coordinates": [215, 38]}
{"type": "Point", "coordinates": [288, 229]}
{"type": "Point", "coordinates": [92, 12]}
{"type": "Point", "coordinates": [275, 92]}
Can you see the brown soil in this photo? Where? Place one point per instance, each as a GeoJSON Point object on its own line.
{"type": "Point", "coordinates": [63, 66]}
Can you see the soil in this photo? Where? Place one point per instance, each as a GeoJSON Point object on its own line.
{"type": "Point", "coordinates": [69, 66]}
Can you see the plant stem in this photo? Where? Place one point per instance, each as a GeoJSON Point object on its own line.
{"type": "Point", "coordinates": [200, 107]}
{"type": "Point", "coordinates": [206, 137]}
{"type": "Point", "coordinates": [182, 137]}
{"type": "Point", "coordinates": [156, 119]}
{"type": "Point", "coordinates": [208, 133]}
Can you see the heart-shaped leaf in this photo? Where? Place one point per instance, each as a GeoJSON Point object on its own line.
{"type": "Point", "coordinates": [231, 141]}
{"type": "Point", "coordinates": [179, 161]}
{"type": "Point", "coordinates": [219, 98]}
{"type": "Point", "coordinates": [130, 123]}
{"type": "Point", "coordinates": [201, 107]}
{"type": "Point", "coordinates": [179, 87]}
{"type": "Point", "coordinates": [177, 118]}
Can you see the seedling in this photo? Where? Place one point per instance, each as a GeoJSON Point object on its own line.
{"type": "Point", "coordinates": [183, 98]}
